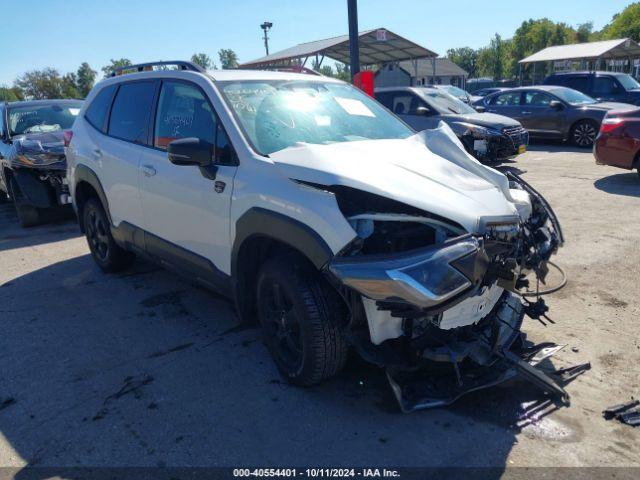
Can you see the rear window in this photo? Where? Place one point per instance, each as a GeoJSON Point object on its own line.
{"type": "Point", "coordinates": [96, 113]}
{"type": "Point", "coordinates": [131, 110]}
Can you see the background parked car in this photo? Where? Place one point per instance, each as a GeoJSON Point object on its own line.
{"type": "Point", "coordinates": [483, 92]}
{"type": "Point", "coordinates": [552, 112]}
{"type": "Point", "coordinates": [486, 136]}
{"type": "Point", "coordinates": [32, 161]}
{"type": "Point", "coordinates": [456, 92]}
{"type": "Point", "coordinates": [603, 86]}
{"type": "Point", "coordinates": [618, 142]}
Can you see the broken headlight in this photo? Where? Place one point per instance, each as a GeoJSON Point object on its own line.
{"type": "Point", "coordinates": [424, 278]}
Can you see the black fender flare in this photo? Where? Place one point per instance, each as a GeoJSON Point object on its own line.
{"type": "Point", "coordinates": [271, 225]}
{"type": "Point", "coordinates": [36, 192]}
{"type": "Point", "coordinates": [85, 174]}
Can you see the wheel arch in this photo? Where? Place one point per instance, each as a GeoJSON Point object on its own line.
{"type": "Point", "coordinates": [261, 234]}
{"type": "Point", "coordinates": [87, 185]}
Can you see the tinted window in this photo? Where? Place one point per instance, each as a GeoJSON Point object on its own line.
{"type": "Point", "coordinates": [628, 82]}
{"type": "Point", "coordinates": [604, 85]}
{"type": "Point", "coordinates": [580, 83]}
{"type": "Point", "coordinates": [506, 99]}
{"type": "Point", "coordinates": [42, 117]}
{"type": "Point", "coordinates": [131, 110]}
{"type": "Point", "coordinates": [405, 104]}
{"type": "Point", "coordinates": [183, 112]}
{"type": "Point", "coordinates": [537, 99]}
{"type": "Point", "coordinates": [96, 113]}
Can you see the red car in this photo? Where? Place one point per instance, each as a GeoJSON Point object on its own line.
{"type": "Point", "coordinates": [618, 142]}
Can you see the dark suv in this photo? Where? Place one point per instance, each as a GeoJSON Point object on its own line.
{"type": "Point", "coordinates": [603, 86]}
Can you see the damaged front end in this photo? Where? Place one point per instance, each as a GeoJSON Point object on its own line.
{"type": "Point", "coordinates": [442, 309]}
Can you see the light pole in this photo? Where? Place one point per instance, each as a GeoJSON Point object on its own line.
{"type": "Point", "coordinates": [354, 52]}
{"type": "Point", "coordinates": [266, 26]}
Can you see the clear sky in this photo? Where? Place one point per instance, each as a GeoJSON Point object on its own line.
{"type": "Point", "coordinates": [63, 33]}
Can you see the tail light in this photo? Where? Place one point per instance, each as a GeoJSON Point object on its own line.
{"type": "Point", "coordinates": [67, 136]}
{"type": "Point", "coordinates": [609, 124]}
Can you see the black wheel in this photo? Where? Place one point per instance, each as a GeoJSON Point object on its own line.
{"type": "Point", "coordinates": [301, 318]}
{"type": "Point", "coordinates": [28, 215]}
{"type": "Point", "coordinates": [583, 133]}
{"type": "Point", "coordinates": [104, 250]}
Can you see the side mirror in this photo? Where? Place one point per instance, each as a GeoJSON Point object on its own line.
{"type": "Point", "coordinates": [190, 151]}
{"type": "Point", "coordinates": [422, 111]}
{"type": "Point", "coordinates": [556, 105]}
{"type": "Point", "coordinates": [480, 109]}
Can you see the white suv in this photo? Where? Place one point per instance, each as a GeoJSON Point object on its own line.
{"type": "Point", "coordinates": [320, 213]}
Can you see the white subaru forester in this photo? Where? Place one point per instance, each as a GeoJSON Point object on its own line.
{"type": "Point", "coordinates": [323, 215]}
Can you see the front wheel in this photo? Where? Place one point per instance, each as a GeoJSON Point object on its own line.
{"type": "Point", "coordinates": [28, 215]}
{"type": "Point", "coordinates": [301, 318]}
{"type": "Point", "coordinates": [107, 254]}
{"type": "Point", "coordinates": [583, 133]}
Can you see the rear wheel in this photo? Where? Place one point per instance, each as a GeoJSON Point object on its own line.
{"type": "Point", "coordinates": [107, 254]}
{"type": "Point", "coordinates": [583, 133]}
{"type": "Point", "coordinates": [301, 318]}
{"type": "Point", "coordinates": [28, 215]}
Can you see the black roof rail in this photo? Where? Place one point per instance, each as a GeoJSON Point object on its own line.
{"type": "Point", "coordinates": [141, 67]}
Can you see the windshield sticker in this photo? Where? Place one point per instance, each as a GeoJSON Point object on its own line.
{"type": "Point", "coordinates": [354, 107]}
{"type": "Point", "coordinates": [74, 111]}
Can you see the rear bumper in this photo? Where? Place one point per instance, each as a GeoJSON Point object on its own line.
{"type": "Point", "coordinates": [621, 153]}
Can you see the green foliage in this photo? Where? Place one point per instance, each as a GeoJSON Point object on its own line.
{"type": "Point", "coordinates": [69, 86]}
{"type": "Point", "coordinates": [203, 60]}
{"type": "Point", "coordinates": [121, 62]}
{"type": "Point", "coordinates": [584, 32]}
{"type": "Point", "coordinates": [228, 58]}
{"type": "Point", "coordinates": [41, 84]}
{"type": "Point", "coordinates": [343, 72]}
{"type": "Point", "coordinates": [85, 78]}
{"type": "Point", "coordinates": [10, 94]}
{"type": "Point", "coordinates": [465, 57]}
{"type": "Point", "coordinates": [625, 24]}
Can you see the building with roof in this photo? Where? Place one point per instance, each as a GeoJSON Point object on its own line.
{"type": "Point", "coordinates": [622, 54]}
{"type": "Point", "coordinates": [433, 71]}
{"type": "Point", "coordinates": [377, 47]}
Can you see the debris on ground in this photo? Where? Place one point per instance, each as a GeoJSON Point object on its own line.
{"type": "Point", "coordinates": [628, 413]}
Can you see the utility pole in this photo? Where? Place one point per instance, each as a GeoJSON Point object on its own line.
{"type": "Point", "coordinates": [354, 52]}
{"type": "Point", "coordinates": [266, 26]}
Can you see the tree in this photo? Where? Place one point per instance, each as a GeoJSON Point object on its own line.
{"type": "Point", "coordinates": [10, 94]}
{"type": "Point", "coordinates": [465, 58]}
{"type": "Point", "coordinates": [85, 78]}
{"type": "Point", "coordinates": [203, 60]}
{"type": "Point", "coordinates": [343, 72]}
{"type": "Point", "coordinates": [69, 86]}
{"type": "Point", "coordinates": [625, 24]}
{"type": "Point", "coordinates": [40, 84]}
{"type": "Point", "coordinates": [121, 62]}
{"type": "Point", "coordinates": [584, 32]}
{"type": "Point", "coordinates": [228, 58]}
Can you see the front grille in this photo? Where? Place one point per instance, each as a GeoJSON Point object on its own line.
{"type": "Point", "coordinates": [513, 131]}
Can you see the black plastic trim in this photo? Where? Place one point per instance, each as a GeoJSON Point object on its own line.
{"type": "Point", "coordinates": [85, 174]}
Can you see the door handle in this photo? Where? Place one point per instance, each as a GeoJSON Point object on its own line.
{"type": "Point", "coordinates": [148, 170]}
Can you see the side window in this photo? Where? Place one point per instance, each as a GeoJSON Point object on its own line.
{"type": "Point", "coordinates": [537, 99]}
{"type": "Point", "coordinates": [386, 99]}
{"type": "Point", "coordinates": [604, 85]}
{"type": "Point", "coordinates": [506, 99]}
{"type": "Point", "coordinates": [96, 113]}
{"type": "Point", "coordinates": [580, 83]}
{"type": "Point", "coordinates": [131, 110]}
{"type": "Point", "coordinates": [183, 112]}
{"type": "Point", "coordinates": [401, 103]}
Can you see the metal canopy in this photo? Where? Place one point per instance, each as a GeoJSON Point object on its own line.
{"type": "Point", "coordinates": [619, 48]}
{"type": "Point", "coordinates": [376, 46]}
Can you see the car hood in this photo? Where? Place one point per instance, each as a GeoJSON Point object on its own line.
{"type": "Point", "coordinates": [490, 120]}
{"type": "Point", "coordinates": [36, 150]}
{"type": "Point", "coordinates": [430, 171]}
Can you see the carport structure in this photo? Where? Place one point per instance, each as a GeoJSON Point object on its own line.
{"type": "Point", "coordinates": [377, 47]}
{"type": "Point", "coordinates": [591, 56]}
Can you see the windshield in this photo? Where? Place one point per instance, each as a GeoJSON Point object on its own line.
{"type": "Point", "coordinates": [455, 91]}
{"type": "Point", "coordinates": [628, 82]}
{"type": "Point", "coordinates": [573, 97]}
{"type": "Point", "coordinates": [278, 114]}
{"type": "Point", "coordinates": [42, 118]}
{"type": "Point", "coordinates": [445, 103]}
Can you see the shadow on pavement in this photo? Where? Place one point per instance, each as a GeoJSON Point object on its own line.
{"type": "Point", "coordinates": [142, 369]}
{"type": "Point", "coordinates": [627, 184]}
{"type": "Point", "coordinates": [552, 146]}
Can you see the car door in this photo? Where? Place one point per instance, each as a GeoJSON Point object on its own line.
{"type": "Point", "coordinates": [116, 156]}
{"type": "Point", "coordinates": [538, 116]}
{"type": "Point", "coordinates": [505, 103]}
{"type": "Point", "coordinates": [186, 208]}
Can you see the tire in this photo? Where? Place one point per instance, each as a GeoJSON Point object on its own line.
{"type": "Point", "coordinates": [583, 133]}
{"type": "Point", "coordinates": [301, 318]}
{"type": "Point", "coordinates": [105, 252]}
{"type": "Point", "coordinates": [28, 215]}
